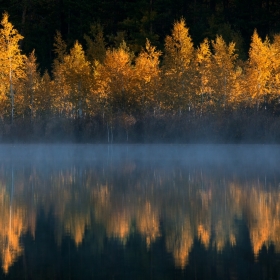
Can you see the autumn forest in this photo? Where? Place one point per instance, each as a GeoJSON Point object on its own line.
{"type": "Point", "coordinates": [183, 92]}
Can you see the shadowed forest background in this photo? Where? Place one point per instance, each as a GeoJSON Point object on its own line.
{"type": "Point", "coordinates": [140, 71]}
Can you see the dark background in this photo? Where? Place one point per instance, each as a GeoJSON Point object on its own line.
{"type": "Point", "coordinates": [38, 20]}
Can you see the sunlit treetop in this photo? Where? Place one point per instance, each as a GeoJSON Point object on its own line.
{"type": "Point", "coordinates": [178, 47]}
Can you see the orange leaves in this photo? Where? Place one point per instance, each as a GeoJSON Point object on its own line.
{"type": "Point", "coordinates": [72, 77]}
{"type": "Point", "coordinates": [117, 72]}
{"type": "Point", "coordinates": [224, 59]}
{"type": "Point", "coordinates": [178, 58]}
{"type": "Point", "coordinates": [11, 59]}
{"type": "Point", "coordinates": [147, 63]}
{"type": "Point", "coordinates": [178, 47]}
{"type": "Point", "coordinates": [117, 63]}
{"type": "Point", "coordinates": [115, 82]}
{"type": "Point", "coordinates": [147, 74]}
{"type": "Point", "coordinates": [259, 69]}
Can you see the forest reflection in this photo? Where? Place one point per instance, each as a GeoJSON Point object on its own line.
{"type": "Point", "coordinates": [178, 203]}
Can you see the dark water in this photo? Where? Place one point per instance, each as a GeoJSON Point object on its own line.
{"type": "Point", "coordinates": [140, 212]}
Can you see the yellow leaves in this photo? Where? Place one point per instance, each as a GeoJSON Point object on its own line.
{"type": "Point", "coordinates": [224, 55]}
{"type": "Point", "coordinates": [203, 53]}
{"type": "Point", "coordinates": [117, 61]}
{"type": "Point", "coordinates": [224, 58]}
{"type": "Point", "coordinates": [178, 47]}
{"type": "Point", "coordinates": [259, 68]}
{"type": "Point", "coordinates": [178, 58]}
{"type": "Point", "coordinates": [11, 59]}
{"type": "Point", "coordinates": [115, 81]}
{"type": "Point", "coordinates": [117, 73]}
{"type": "Point", "coordinates": [147, 63]}
{"type": "Point", "coordinates": [76, 60]}
{"type": "Point", "coordinates": [147, 73]}
{"type": "Point", "coordinates": [72, 76]}
{"type": "Point", "coordinates": [203, 72]}
{"type": "Point", "coordinates": [9, 36]}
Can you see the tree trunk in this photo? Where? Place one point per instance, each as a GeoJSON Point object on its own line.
{"type": "Point", "coordinates": [11, 91]}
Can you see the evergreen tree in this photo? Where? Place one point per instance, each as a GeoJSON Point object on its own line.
{"type": "Point", "coordinates": [96, 47]}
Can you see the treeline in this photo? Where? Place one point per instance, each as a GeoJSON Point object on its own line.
{"type": "Point", "coordinates": [137, 20]}
{"type": "Point", "coordinates": [183, 94]}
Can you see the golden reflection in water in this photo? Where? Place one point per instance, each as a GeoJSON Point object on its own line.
{"type": "Point", "coordinates": [203, 235]}
{"type": "Point", "coordinates": [13, 224]}
{"type": "Point", "coordinates": [147, 221]}
{"type": "Point", "coordinates": [179, 214]}
{"type": "Point", "coordinates": [76, 225]}
{"type": "Point", "coordinates": [262, 212]}
{"type": "Point", "coordinates": [118, 225]}
{"type": "Point", "coordinates": [179, 242]}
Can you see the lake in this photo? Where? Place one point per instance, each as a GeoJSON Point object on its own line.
{"type": "Point", "coordinates": [140, 211]}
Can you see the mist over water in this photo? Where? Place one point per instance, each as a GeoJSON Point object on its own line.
{"type": "Point", "coordinates": [227, 153]}
{"type": "Point", "coordinates": [140, 211]}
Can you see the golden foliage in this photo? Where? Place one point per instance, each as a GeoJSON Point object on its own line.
{"type": "Point", "coordinates": [147, 75]}
{"type": "Point", "coordinates": [11, 62]}
{"type": "Point", "coordinates": [259, 69]}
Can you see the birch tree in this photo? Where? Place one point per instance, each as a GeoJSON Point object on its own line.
{"type": "Point", "coordinates": [147, 75]}
{"type": "Point", "coordinates": [224, 58]}
{"type": "Point", "coordinates": [274, 82]}
{"type": "Point", "coordinates": [259, 70]}
{"type": "Point", "coordinates": [31, 84]}
{"type": "Point", "coordinates": [179, 52]}
{"type": "Point", "coordinates": [72, 77]}
{"type": "Point", "coordinates": [11, 59]}
{"type": "Point", "coordinates": [203, 76]}
{"type": "Point", "coordinates": [114, 82]}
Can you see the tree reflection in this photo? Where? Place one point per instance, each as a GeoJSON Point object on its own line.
{"type": "Point", "coordinates": [177, 205]}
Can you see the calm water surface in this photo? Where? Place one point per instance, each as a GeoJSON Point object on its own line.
{"type": "Point", "coordinates": [139, 212]}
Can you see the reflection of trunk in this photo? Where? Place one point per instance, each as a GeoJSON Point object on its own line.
{"type": "Point", "coordinates": [225, 87]}
{"type": "Point", "coordinates": [109, 131]}
{"type": "Point", "coordinates": [32, 93]}
{"type": "Point", "coordinates": [112, 138]}
{"type": "Point", "coordinates": [202, 87]}
{"type": "Point", "coordinates": [180, 99]}
{"type": "Point", "coordinates": [80, 112]}
{"type": "Point", "coordinates": [11, 210]}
